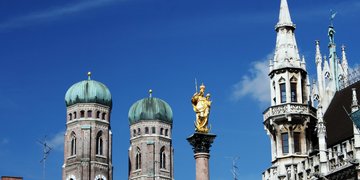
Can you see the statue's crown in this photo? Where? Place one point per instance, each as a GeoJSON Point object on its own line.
{"type": "Point", "coordinates": [202, 86]}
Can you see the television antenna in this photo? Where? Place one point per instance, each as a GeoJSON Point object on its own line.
{"type": "Point", "coordinates": [234, 169]}
{"type": "Point", "coordinates": [46, 152]}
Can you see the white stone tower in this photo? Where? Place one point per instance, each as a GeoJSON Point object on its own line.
{"type": "Point", "coordinates": [151, 151]}
{"type": "Point", "coordinates": [290, 117]}
{"type": "Point", "coordinates": [88, 138]}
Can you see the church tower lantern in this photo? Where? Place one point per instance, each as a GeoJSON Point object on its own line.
{"type": "Point", "coordinates": [88, 138]}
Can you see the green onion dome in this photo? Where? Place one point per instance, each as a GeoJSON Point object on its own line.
{"type": "Point", "coordinates": [88, 91]}
{"type": "Point", "coordinates": [150, 109]}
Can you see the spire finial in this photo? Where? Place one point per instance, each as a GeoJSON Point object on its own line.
{"type": "Point", "coordinates": [150, 93]}
{"type": "Point", "coordinates": [332, 17]}
{"type": "Point", "coordinates": [318, 59]}
{"type": "Point", "coordinates": [89, 75]}
{"type": "Point", "coordinates": [284, 15]}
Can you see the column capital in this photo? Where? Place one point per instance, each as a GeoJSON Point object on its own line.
{"type": "Point", "coordinates": [201, 142]}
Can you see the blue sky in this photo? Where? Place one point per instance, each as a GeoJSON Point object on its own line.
{"type": "Point", "coordinates": [136, 45]}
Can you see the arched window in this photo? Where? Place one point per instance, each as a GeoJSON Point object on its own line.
{"type": "Point", "coordinates": [162, 158]}
{"type": "Point", "coordinates": [138, 159]}
{"type": "Point", "coordinates": [134, 132]}
{"type": "Point", "coordinates": [293, 82]}
{"type": "Point", "coordinates": [99, 144]}
{"type": "Point", "coordinates": [103, 116]}
{"type": "Point", "coordinates": [146, 130]}
{"type": "Point", "coordinates": [89, 113]}
{"type": "Point", "coordinates": [282, 90]}
{"type": "Point", "coordinates": [139, 131]}
{"type": "Point", "coordinates": [166, 132]}
{"type": "Point", "coordinates": [75, 115]}
{"type": "Point", "coordinates": [73, 144]}
{"type": "Point", "coordinates": [161, 131]}
{"type": "Point", "coordinates": [153, 130]}
{"type": "Point", "coordinates": [70, 116]}
{"type": "Point", "coordinates": [98, 114]}
{"type": "Point", "coordinates": [82, 114]}
{"type": "Point", "coordinates": [285, 143]}
{"type": "Point", "coordinates": [297, 144]}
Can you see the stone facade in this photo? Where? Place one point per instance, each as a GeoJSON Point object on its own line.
{"type": "Point", "coordinates": [151, 151]}
{"type": "Point", "coordinates": [311, 135]}
{"type": "Point", "coordinates": [88, 143]}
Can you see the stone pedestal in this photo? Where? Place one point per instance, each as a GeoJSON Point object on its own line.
{"type": "Point", "coordinates": [201, 144]}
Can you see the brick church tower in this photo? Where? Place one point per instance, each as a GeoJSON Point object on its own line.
{"type": "Point", "coordinates": [151, 151]}
{"type": "Point", "coordinates": [88, 138]}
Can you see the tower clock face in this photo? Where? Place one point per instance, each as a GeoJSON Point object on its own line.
{"type": "Point", "coordinates": [100, 177]}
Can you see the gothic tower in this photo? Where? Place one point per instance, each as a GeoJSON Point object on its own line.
{"type": "Point", "coordinates": [88, 138]}
{"type": "Point", "coordinates": [151, 151]}
{"type": "Point", "coordinates": [290, 118]}
{"type": "Point", "coordinates": [333, 73]}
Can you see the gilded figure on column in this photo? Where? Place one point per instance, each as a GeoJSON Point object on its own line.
{"type": "Point", "coordinates": [201, 105]}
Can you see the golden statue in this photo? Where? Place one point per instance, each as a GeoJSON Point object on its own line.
{"type": "Point", "coordinates": [201, 105]}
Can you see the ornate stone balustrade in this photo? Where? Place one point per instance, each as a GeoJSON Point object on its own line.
{"type": "Point", "coordinates": [288, 109]}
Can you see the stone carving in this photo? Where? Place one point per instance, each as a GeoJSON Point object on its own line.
{"type": "Point", "coordinates": [201, 143]}
{"type": "Point", "coordinates": [288, 109]}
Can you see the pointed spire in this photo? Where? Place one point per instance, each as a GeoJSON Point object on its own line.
{"type": "Point", "coordinates": [344, 62]}
{"type": "Point", "coordinates": [303, 63]}
{"type": "Point", "coordinates": [286, 51]}
{"type": "Point", "coordinates": [271, 65]}
{"type": "Point", "coordinates": [315, 91]}
{"type": "Point", "coordinates": [326, 68]}
{"type": "Point", "coordinates": [284, 16]}
{"type": "Point", "coordinates": [318, 58]}
{"type": "Point", "coordinates": [354, 105]}
{"type": "Point", "coordinates": [343, 53]}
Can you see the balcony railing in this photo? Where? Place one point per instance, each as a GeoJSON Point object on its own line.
{"type": "Point", "coordinates": [289, 109]}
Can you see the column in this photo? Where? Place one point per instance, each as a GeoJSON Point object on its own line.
{"type": "Point", "coordinates": [201, 144]}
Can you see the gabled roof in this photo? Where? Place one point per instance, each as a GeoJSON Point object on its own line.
{"type": "Point", "coordinates": [339, 126]}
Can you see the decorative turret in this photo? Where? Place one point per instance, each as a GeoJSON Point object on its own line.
{"type": "Point", "coordinates": [286, 51]}
{"type": "Point", "coordinates": [320, 77]}
{"type": "Point", "coordinates": [345, 66]}
{"type": "Point", "coordinates": [290, 115]}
